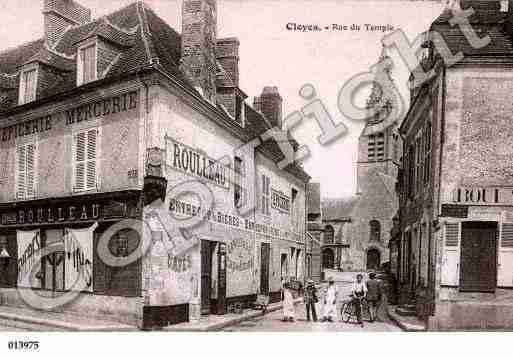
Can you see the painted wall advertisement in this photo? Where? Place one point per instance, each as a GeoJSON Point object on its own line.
{"type": "Point", "coordinates": [29, 258]}
{"type": "Point", "coordinates": [78, 261]}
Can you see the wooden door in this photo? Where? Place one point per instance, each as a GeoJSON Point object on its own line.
{"type": "Point", "coordinates": [478, 257]}
{"type": "Point", "coordinates": [206, 275]}
{"type": "Point", "coordinates": [264, 268]}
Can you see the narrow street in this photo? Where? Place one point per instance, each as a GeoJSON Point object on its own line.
{"type": "Point", "coordinates": [272, 323]}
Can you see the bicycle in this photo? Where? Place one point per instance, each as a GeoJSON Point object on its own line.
{"type": "Point", "coordinates": [348, 310]}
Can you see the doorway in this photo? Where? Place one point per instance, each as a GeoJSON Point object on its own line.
{"type": "Point", "coordinates": [265, 251]}
{"type": "Point", "coordinates": [207, 251]}
{"type": "Point", "coordinates": [373, 259]}
{"type": "Point", "coordinates": [478, 271]}
{"type": "Point", "coordinates": [328, 258]}
{"type": "Point", "coordinates": [52, 271]}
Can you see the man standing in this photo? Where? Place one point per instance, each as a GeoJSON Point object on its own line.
{"type": "Point", "coordinates": [374, 293]}
{"type": "Point", "coordinates": [310, 300]}
{"type": "Point", "coordinates": [330, 301]}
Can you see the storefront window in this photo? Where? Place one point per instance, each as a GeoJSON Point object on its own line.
{"type": "Point", "coordinates": [123, 280]}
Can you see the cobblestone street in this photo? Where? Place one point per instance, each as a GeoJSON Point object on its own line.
{"type": "Point", "coordinates": [272, 322]}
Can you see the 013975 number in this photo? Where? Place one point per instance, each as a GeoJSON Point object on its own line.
{"type": "Point", "coordinates": [23, 345]}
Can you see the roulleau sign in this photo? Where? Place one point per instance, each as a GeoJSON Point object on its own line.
{"type": "Point", "coordinates": [194, 162]}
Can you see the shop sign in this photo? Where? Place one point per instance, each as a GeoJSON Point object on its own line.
{"type": "Point", "coordinates": [240, 255]}
{"type": "Point", "coordinates": [195, 163]}
{"type": "Point", "coordinates": [101, 108]}
{"type": "Point", "coordinates": [185, 209]}
{"type": "Point", "coordinates": [280, 201]}
{"type": "Point", "coordinates": [65, 213]}
{"type": "Point", "coordinates": [29, 257]}
{"type": "Point", "coordinates": [78, 261]}
{"type": "Point", "coordinates": [483, 195]}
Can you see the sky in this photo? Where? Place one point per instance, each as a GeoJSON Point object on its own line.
{"type": "Point", "coordinates": [271, 55]}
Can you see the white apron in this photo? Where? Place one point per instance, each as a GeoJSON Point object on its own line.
{"type": "Point", "coordinates": [330, 309]}
{"type": "Point", "coordinates": [288, 304]}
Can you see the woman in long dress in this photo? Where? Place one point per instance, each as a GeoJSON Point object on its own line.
{"type": "Point", "coordinates": [330, 302]}
{"type": "Point", "coordinates": [289, 312]}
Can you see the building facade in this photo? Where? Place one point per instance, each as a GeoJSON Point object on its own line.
{"type": "Point", "coordinates": [367, 218]}
{"type": "Point", "coordinates": [123, 139]}
{"type": "Point", "coordinates": [455, 188]}
{"type": "Point", "coordinates": [313, 263]}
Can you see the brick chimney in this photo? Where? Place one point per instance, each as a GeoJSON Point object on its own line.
{"type": "Point", "coordinates": [199, 35]}
{"type": "Point", "coordinates": [270, 104]}
{"type": "Point", "coordinates": [59, 14]}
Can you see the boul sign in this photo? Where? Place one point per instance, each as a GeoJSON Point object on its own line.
{"type": "Point", "coordinates": [483, 195]}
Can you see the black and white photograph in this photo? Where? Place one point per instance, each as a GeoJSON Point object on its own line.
{"type": "Point", "coordinates": [274, 166]}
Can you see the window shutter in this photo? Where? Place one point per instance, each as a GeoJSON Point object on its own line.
{"type": "Point", "coordinates": [91, 159]}
{"type": "Point", "coordinates": [505, 270]}
{"type": "Point", "coordinates": [30, 153]}
{"type": "Point", "coordinates": [451, 254]}
{"type": "Point", "coordinates": [80, 163]}
{"type": "Point", "coordinates": [21, 175]}
{"type": "Point", "coordinates": [85, 156]}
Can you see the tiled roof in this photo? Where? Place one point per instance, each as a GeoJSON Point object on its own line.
{"type": "Point", "coordinates": [135, 28]}
{"type": "Point", "coordinates": [338, 208]}
{"type": "Point", "coordinates": [144, 40]}
{"type": "Point", "coordinates": [12, 59]}
{"type": "Point", "coordinates": [486, 20]}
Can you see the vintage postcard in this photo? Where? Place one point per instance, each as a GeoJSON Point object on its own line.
{"type": "Point", "coordinates": [255, 166]}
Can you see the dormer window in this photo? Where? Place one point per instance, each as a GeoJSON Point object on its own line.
{"type": "Point", "coordinates": [86, 67]}
{"type": "Point", "coordinates": [28, 84]}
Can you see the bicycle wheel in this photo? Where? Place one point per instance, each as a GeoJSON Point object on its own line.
{"type": "Point", "coordinates": [346, 312]}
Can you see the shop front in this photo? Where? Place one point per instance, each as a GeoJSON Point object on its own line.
{"type": "Point", "coordinates": [51, 249]}
{"type": "Point", "coordinates": [475, 265]}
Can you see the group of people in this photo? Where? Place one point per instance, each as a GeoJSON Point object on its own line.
{"type": "Point", "coordinates": [370, 290]}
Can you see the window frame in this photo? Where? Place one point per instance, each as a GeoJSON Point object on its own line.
{"type": "Point", "coordinates": [26, 141]}
{"type": "Point", "coordinates": [80, 67]}
{"type": "Point", "coordinates": [238, 172]}
{"type": "Point", "coordinates": [22, 91]}
{"type": "Point", "coordinates": [265, 194]}
{"type": "Point", "coordinates": [374, 227]}
{"type": "Point", "coordinates": [427, 152]}
{"type": "Point", "coordinates": [97, 181]}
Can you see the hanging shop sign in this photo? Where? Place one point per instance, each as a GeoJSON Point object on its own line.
{"type": "Point", "coordinates": [280, 201]}
{"type": "Point", "coordinates": [29, 258]}
{"type": "Point", "coordinates": [106, 106]}
{"type": "Point", "coordinates": [195, 163]}
{"type": "Point", "coordinates": [78, 261]}
{"type": "Point", "coordinates": [71, 212]}
{"type": "Point", "coordinates": [185, 209]}
{"type": "Point", "coordinates": [483, 195]}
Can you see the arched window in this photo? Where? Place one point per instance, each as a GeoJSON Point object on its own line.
{"type": "Point", "coordinates": [328, 234]}
{"type": "Point", "coordinates": [375, 230]}
{"type": "Point", "coordinates": [373, 259]}
{"type": "Point", "coordinates": [328, 258]}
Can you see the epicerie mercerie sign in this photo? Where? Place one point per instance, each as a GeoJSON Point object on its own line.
{"type": "Point", "coordinates": [86, 112]}
{"type": "Point", "coordinates": [483, 195]}
{"type": "Point", "coordinates": [194, 162]}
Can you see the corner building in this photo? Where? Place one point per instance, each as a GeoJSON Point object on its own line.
{"type": "Point", "coordinates": [454, 249]}
{"type": "Point", "coordinates": [102, 119]}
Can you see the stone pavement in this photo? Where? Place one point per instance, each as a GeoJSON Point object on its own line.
{"type": "Point", "coordinates": [25, 318]}
{"type": "Point", "coordinates": [272, 323]}
{"type": "Point", "coordinates": [218, 322]}
{"type": "Point", "coordinates": [408, 324]}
